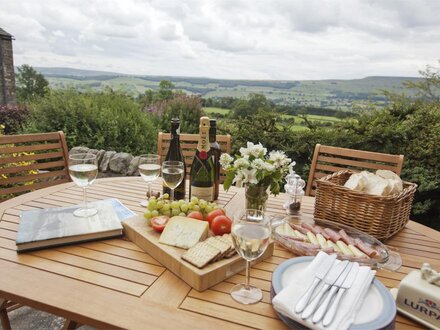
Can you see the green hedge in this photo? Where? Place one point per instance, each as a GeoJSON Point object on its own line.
{"type": "Point", "coordinates": [107, 120]}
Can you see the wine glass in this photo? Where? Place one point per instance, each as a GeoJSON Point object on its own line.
{"type": "Point", "coordinates": [251, 231]}
{"type": "Point", "coordinates": [172, 174]}
{"type": "Point", "coordinates": [83, 169]}
{"type": "Point", "coordinates": [149, 169]}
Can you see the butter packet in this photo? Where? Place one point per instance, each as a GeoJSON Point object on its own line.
{"type": "Point", "coordinates": [419, 299]}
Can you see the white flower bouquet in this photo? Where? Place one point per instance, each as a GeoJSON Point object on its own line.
{"type": "Point", "coordinates": [255, 167]}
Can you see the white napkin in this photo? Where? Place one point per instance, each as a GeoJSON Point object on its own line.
{"type": "Point", "coordinates": [285, 301]}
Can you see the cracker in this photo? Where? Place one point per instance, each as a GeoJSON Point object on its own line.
{"type": "Point", "coordinates": [219, 244]}
{"type": "Point", "coordinates": [228, 239]}
{"type": "Point", "coordinates": [201, 254]}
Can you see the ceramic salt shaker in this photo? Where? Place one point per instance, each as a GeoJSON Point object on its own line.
{"type": "Point", "coordinates": [294, 188]}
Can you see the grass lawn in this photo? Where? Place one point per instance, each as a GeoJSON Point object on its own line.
{"type": "Point", "coordinates": [210, 110]}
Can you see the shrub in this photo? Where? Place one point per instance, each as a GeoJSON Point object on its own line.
{"type": "Point", "coordinates": [13, 118]}
{"type": "Point", "coordinates": [105, 120]}
{"type": "Point", "coordinates": [406, 126]}
{"type": "Point", "coordinates": [187, 108]}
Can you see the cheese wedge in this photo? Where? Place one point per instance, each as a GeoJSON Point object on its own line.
{"type": "Point", "coordinates": [184, 232]}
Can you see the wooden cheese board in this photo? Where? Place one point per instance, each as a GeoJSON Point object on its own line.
{"type": "Point", "coordinates": [137, 230]}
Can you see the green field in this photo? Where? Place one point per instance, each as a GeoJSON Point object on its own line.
{"type": "Point", "coordinates": [334, 94]}
{"type": "Point", "coordinates": [298, 120]}
{"type": "Point", "coordinates": [211, 110]}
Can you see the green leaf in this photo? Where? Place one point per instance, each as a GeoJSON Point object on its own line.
{"type": "Point", "coordinates": [228, 181]}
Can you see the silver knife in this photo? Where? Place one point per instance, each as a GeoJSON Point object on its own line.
{"type": "Point", "coordinates": [319, 275]}
{"type": "Point", "coordinates": [345, 286]}
{"type": "Point", "coordinates": [319, 314]}
{"type": "Point", "coordinates": [329, 280]}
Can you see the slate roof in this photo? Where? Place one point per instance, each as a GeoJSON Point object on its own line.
{"type": "Point", "coordinates": [3, 33]}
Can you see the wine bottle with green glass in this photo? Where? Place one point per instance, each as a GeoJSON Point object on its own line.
{"type": "Point", "coordinates": [202, 175]}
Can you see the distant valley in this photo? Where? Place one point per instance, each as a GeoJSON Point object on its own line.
{"type": "Point", "coordinates": [334, 93]}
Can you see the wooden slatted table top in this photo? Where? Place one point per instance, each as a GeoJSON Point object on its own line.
{"type": "Point", "coordinates": [113, 283]}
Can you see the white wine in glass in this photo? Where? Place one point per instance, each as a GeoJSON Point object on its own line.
{"type": "Point", "coordinates": [172, 174]}
{"type": "Point", "coordinates": [83, 169]}
{"type": "Point", "coordinates": [149, 169]}
{"type": "Point", "coordinates": [251, 232]}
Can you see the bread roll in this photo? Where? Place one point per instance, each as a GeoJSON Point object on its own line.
{"type": "Point", "coordinates": [387, 174]}
{"type": "Point", "coordinates": [377, 186]}
{"type": "Point", "coordinates": [356, 181]}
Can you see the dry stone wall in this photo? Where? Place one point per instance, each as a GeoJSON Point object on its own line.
{"type": "Point", "coordinates": [111, 163]}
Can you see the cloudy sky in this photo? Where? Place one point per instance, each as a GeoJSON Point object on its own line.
{"type": "Point", "coordinates": [249, 39]}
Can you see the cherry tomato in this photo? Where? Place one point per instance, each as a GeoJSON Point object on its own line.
{"type": "Point", "coordinates": [211, 215]}
{"type": "Point", "coordinates": [195, 215]}
{"type": "Point", "coordinates": [221, 225]}
{"type": "Point", "coordinates": [159, 223]}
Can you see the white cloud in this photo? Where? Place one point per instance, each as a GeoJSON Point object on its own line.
{"type": "Point", "coordinates": [248, 39]}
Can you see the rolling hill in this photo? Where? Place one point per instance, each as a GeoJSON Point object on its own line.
{"type": "Point", "coordinates": [334, 93]}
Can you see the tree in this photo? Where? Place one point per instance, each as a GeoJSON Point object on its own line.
{"type": "Point", "coordinates": [165, 90]}
{"type": "Point", "coordinates": [248, 107]}
{"type": "Point", "coordinates": [30, 84]}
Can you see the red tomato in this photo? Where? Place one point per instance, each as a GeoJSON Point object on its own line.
{"type": "Point", "coordinates": [196, 215]}
{"type": "Point", "coordinates": [159, 223]}
{"type": "Point", "coordinates": [211, 215]}
{"type": "Point", "coordinates": [221, 225]}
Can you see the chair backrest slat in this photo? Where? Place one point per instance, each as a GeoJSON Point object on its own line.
{"type": "Point", "coordinates": [328, 159]}
{"type": "Point", "coordinates": [32, 161]}
{"type": "Point", "coordinates": [188, 144]}
{"type": "Point", "coordinates": [30, 148]}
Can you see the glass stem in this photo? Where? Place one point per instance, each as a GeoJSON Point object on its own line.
{"type": "Point", "coordinates": [247, 275]}
{"type": "Point", "coordinates": [85, 197]}
{"type": "Point", "coordinates": [172, 195]}
{"type": "Point", "coordinates": [149, 189]}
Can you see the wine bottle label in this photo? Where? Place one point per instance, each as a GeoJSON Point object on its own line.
{"type": "Point", "coordinates": [206, 193]}
{"type": "Point", "coordinates": [203, 144]}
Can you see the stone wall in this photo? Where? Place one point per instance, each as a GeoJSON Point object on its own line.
{"type": "Point", "coordinates": [111, 163]}
{"type": "Point", "coordinates": [7, 74]}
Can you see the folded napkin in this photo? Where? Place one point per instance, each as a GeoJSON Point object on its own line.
{"type": "Point", "coordinates": [285, 301]}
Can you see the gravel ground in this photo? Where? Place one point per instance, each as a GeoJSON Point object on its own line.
{"type": "Point", "coordinates": [26, 318]}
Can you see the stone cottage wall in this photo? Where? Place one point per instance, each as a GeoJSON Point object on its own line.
{"type": "Point", "coordinates": [111, 163]}
{"type": "Point", "coordinates": [7, 74]}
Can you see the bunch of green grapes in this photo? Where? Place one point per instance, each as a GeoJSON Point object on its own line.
{"type": "Point", "coordinates": [163, 206]}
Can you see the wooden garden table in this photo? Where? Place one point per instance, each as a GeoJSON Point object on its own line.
{"type": "Point", "coordinates": [114, 284]}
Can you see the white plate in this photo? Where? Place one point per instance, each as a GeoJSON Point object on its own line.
{"type": "Point", "coordinates": [377, 312]}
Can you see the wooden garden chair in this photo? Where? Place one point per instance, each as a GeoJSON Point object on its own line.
{"type": "Point", "coordinates": [29, 162]}
{"type": "Point", "coordinates": [188, 144]}
{"type": "Point", "coordinates": [32, 161]}
{"type": "Point", "coordinates": [327, 160]}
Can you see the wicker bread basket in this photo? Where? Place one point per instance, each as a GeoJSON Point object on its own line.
{"type": "Point", "coordinates": [379, 216]}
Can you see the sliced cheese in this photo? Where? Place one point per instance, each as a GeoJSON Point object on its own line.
{"type": "Point", "coordinates": [344, 248]}
{"type": "Point", "coordinates": [184, 232]}
{"type": "Point", "coordinates": [286, 230]}
{"type": "Point", "coordinates": [299, 234]}
{"type": "Point", "coordinates": [312, 238]}
{"type": "Point", "coordinates": [356, 251]}
{"type": "Point", "coordinates": [333, 245]}
{"type": "Point", "coordinates": [322, 241]}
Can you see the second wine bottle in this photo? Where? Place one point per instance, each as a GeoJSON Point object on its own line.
{"type": "Point", "coordinates": [175, 153]}
{"type": "Point", "coordinates": [202, 175]}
